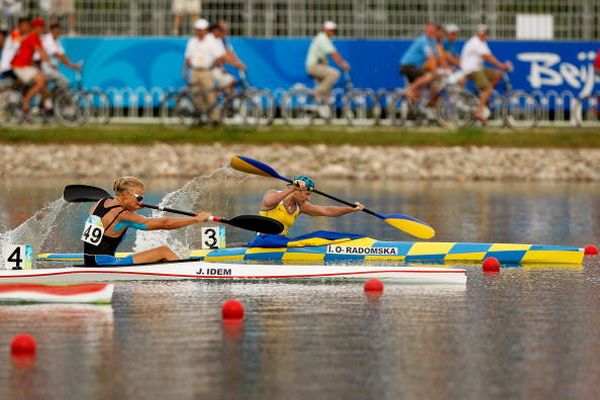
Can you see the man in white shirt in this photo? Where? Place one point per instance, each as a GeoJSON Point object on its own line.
{"type": "Point", "coordinates": [316, 62]}
{"type": "Point", "coordinates": [56, 53]}
{"type": "Point", "coordinates": [474, 54]}
{"type": "Point", "coordinates": [202, 53]}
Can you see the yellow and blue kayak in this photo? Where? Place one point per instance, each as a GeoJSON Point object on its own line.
{"type": "Point", "coordinates": [368, 249]}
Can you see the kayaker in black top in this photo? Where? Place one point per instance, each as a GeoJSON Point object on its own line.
{"type": "Point", "coordinates": [109, 220]}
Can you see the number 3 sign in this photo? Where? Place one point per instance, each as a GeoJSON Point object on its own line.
{"type": "Point", "coordinates": [213, 237]}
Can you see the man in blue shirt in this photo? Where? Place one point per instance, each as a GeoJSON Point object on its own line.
{"type": "Point", "coordinates": [420, 61]}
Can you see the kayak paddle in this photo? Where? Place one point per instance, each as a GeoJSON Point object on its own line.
{"type": "Point", "coordinates": [403, 222]}
{"type": "Point", "coordinates": [256, 223]}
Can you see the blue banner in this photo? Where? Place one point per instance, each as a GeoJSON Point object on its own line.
{"type": "Point", "coordinates": [135, 63]}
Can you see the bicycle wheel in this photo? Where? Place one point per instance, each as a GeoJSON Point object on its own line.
{"type": "Point", "coordinates": [178, 109]}
{"type": "Point", "coordinates": [521, 110]}
{"type": "Point", "coordinates": [11, 111]}
{"type": "Point", "coordinates": [240, 110]}
{"type": "Point", "coordinates": [456, 109]}
{"type": "Point", "coordinates": [265, 100]}
{"type": "Point", "coordinates": [99, 107]}
{"type": "Point", "coordinates": [362, 107]}
{"type": "Point", "coordinates": [401, 112]}
{"type": "Point", "coordinates": [298, 107]}
{"type": "Point", "coordinates": [71, 107]}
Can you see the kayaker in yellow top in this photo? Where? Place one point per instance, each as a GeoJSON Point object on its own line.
{"type": "Point", "coordinates": [286, 205]}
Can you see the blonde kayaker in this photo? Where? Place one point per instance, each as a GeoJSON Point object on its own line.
{"type": "Point", "coordinates": [109, 220]}
{"type": "Point", "coordinates": [287, 204]}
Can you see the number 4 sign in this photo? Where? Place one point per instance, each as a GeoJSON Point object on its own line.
{"type": "Point", "coordinates": [213, 237]}
{"type": "Point", "coordinates": [18, 256]}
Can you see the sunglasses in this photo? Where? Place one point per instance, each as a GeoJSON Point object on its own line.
{"type": "Point", "coordinates": [138, 197]}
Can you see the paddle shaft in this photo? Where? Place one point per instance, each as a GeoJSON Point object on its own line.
{"type": "Point", "coordinates": [191, 214]}
{"type": "Point", "coordinates": [345, 202]}
{"type": "Point", "coordinates": [337, 199]}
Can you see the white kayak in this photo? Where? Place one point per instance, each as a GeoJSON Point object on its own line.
{"type": "Point", "coordinates": [37, 293]}
{"type": "Point", "coordinates": [194, 269]}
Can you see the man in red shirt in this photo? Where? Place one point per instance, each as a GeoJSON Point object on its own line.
{"type": "Point", "coordinates": [22, 63]}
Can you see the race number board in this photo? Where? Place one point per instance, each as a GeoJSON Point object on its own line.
{"type": "Point", "coordinates": [18, 256]}
{"type": "Point", "coordinates": [213, 237]}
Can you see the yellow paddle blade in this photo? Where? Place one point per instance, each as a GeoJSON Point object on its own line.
{"type": "Point", "coordinates": [250, 166]}
{"type": "Point", "coordinates": [415, 228]}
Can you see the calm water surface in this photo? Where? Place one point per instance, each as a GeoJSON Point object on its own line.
{"type": "Point", "coordinates": [523, 333]}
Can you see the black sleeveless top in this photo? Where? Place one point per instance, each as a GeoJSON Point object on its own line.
{"type": "Point", "coordinates": [108, 245]}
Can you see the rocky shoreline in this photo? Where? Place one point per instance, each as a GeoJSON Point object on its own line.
{"type": "Point", "coordinates": [355, 162]}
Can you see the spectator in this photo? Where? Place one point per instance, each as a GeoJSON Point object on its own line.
{"type": "Point", "coordinates": [218, 32]}
{"type": "Point", "coordinates": [193, 8]}
{"type": "Point", "coordinates": [11, 45]}
{"type": "Point", "coordinates": [56, 8]}
{"type": "Point", "coordinates": [419, 62]}
{"type": "Point", "coordinates": [56, 53]}
{"type": "Point", "coordinates": [474, 54]}
{"type": "Point", "coordinates": [22, 63]}
{"type": "Point", "coordinates": [3, 34]}
{"type": "Point", "coordinates": [316, 62]}
{"type": "Point", "coordinates": [449, 45]}
{"type": "Point", "coordinates": [202, 53]}
{"type": "Point", "coordinates": [597, 64]}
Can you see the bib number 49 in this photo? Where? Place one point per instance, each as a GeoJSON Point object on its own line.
{"type": "Point", "coordinates": [93, 230]}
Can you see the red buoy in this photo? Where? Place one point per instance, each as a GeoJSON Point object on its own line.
{"type": "Point", "coordinates": [373, 285]}
{"type": "Point", "coordinates": [590, 250]}
{"type": "Point", "coordinates": [491, 264]}
{"type": "Point", "coordinates": [232, 310]}
{"type": "Point", "coordinates": [23, 344]}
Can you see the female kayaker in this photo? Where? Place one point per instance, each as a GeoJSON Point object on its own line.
{"type": "Point", "coordinates": [109, 220]}
{"type": "Point", "coordinates": [286, 205]}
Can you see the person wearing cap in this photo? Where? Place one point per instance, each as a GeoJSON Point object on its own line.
{"type": "Point", "coordinates": [419, 62]}
{"type": "Point", "coordinates": [287, 204]}
{"type": "Point", "coordinates": [474, 54]}
{"type": "Point", "coordinates": [316, 62]}
{"type": "Point", "coordinates": [449, 49]}
{"type": "Point", "coordinates": [202, 53]}
{"type": "Point", "coordinates": [22, 63]}
{"type": "Point", "coordinates": [11, 45]}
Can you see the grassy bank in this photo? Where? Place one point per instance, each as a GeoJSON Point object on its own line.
{"type": "Point", "coordinates": [143, 134]}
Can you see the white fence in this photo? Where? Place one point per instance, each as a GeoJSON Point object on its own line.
{"type": "Point", "coordinates": [571, 19]}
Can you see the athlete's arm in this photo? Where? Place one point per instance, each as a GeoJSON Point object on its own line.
{"type": "Point", "coordinates": [129, 219]}
{"type": "Point", "coordinates": [328, 211]}
{"type": "Point", "coordinates": [273, 197]}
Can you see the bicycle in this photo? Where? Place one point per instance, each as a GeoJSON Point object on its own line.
{"type": "Point", "coordinates": [450, 105]}
{"type": "Point", "coordinates": [239, 106]}
{"type": "Point", "coordinates": [516, 108]}
{"type": "Point", "coordinates": [360, 107]}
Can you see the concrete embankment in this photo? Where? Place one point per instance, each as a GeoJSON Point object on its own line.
{"type": "Point", "coordinates": [402, 163]}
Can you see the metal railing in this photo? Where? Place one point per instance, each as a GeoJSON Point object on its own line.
{"type": "Point", "coordinates": [140, 105]}
{"type": "Point", "coordinates": [572, 19]}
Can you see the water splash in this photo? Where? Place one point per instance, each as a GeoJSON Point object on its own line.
{"type": "Point", "coordinates": [47, 229]}
{"type": "Point", "coordinates": [199, 194]}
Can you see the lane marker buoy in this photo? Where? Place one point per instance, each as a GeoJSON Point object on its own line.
{"type": "Point", "coordinates": [491, 264]}
{"type": "Point", "coordinates": [232, 310]}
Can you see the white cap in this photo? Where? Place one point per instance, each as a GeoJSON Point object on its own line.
{"type": "Point", "coordinates": [451, 28]}
{"type": "Point", "coordinates": [201, 24]}
{"type": "Point", "coordinates": [481, 28]}
{"type": "Point", "coordinates": [329, 25]}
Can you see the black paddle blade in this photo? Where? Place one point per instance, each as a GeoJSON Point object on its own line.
{"type": "Point", "coordinates": [84, 193]}
{"type": "Point", "coordinates": [256, 223]}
